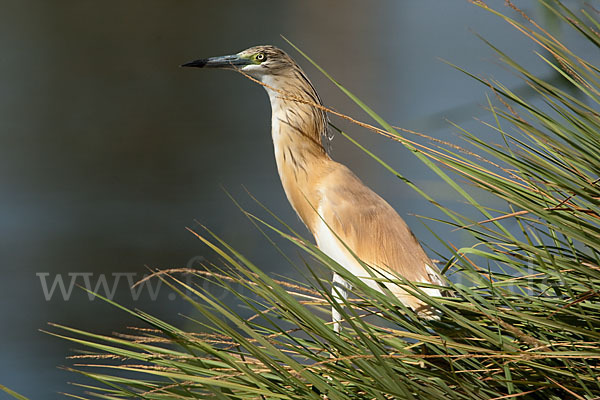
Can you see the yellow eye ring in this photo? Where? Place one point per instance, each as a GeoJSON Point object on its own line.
{"type": "Point", "coordinates": [260, 57]}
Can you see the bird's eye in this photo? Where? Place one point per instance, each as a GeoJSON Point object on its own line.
{"type": "Point", "coordinates": [261, 57]}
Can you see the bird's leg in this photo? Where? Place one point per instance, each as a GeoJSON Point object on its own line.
{"type": "Point", "coordinates": [339, 288]}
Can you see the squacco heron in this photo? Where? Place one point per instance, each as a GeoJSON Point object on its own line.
{"type": "Point", "coordinates": [340, 211]}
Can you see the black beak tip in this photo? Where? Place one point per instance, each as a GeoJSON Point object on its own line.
{"type": "Point", "coordinates": [198, 63]}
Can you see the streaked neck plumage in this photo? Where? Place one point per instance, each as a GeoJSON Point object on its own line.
{"type": "Point", "coordinates": [297, 127]}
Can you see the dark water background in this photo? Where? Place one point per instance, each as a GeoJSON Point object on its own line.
{"type": "Point", "coordinates": [108, 150]}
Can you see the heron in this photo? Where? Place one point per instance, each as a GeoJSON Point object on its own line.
{"type": "Point", "coordinates": [347, 219]}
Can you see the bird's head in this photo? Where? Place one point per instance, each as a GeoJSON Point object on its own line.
{"type": "Point", "coordinates": [289, 90]}
{"type": "Point", "coordinates": [257, 61]}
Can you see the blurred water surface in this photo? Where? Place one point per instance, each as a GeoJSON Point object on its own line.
{"type": "Point", "coordinates": [108, 150]}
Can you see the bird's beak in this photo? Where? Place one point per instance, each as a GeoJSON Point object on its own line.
{"type": "Point", "coordinates": [219, 62]}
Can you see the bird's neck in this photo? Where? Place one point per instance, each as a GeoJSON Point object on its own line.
{"type": "Point", "coordinates": [296, 113]}
{"type": "Point", "coordinates": [296, 128]}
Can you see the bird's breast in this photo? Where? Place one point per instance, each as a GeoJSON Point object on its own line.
{"type": "Point", "coordinates": [299, 168]}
